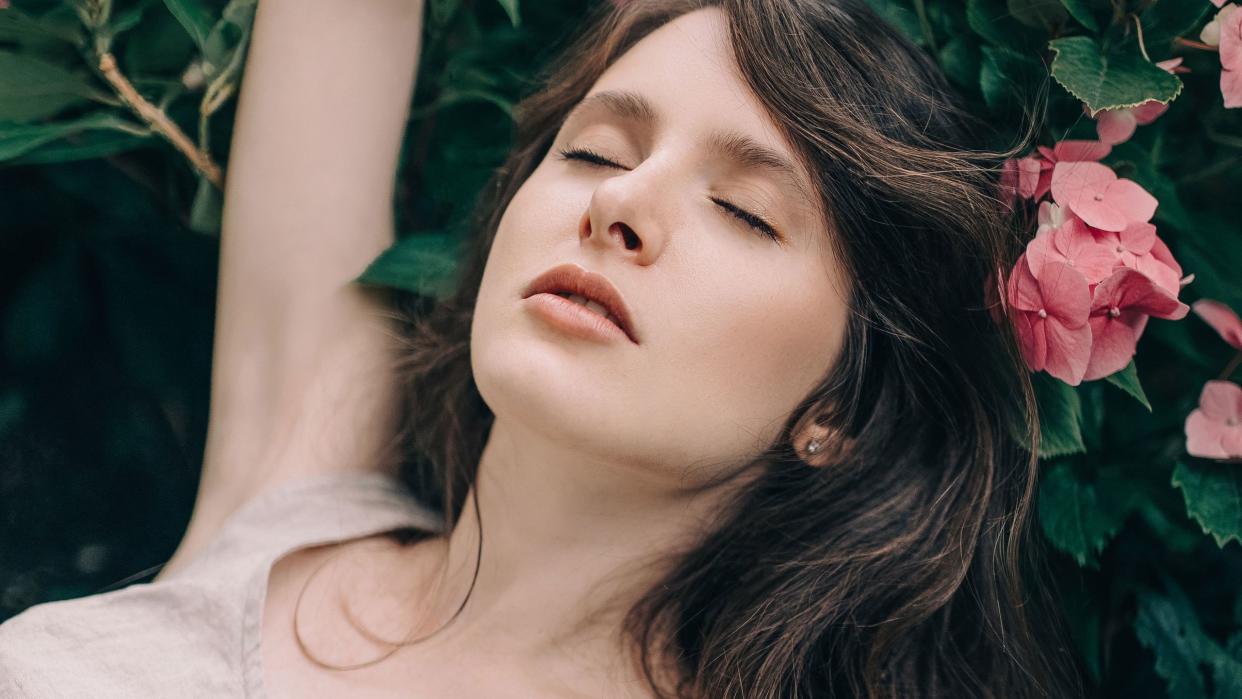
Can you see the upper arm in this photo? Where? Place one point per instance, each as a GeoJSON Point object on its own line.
{"type": "Point", "coordinates": [301, 380]}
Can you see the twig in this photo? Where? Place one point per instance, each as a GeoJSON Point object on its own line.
{"type": "Point", "coordinates": [159, 121]}
{"type": "Point", "coordinates": [1183, 41]}
{"type": "Point", "coordinates": [1138, 27]}
{"type": "Point", "coordinates": [1230, 367]}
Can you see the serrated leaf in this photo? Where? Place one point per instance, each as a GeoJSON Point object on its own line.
{"type": "Point", "coordinates": [195, 17]}
{"type": "Point", "coordinates": [1081, 517]}
{"type": "Point", "coordinates": [1213, 496]}
{"type": "Point", "coordinates": [1060, 417]}
{"type": "Point", "coordinates": [1175, 642]}
{"type": "Point", "coordinates": [511, 9]}
{"type": "Point", "coordinates": [1128, 381]}
{"type": "Point", "coordinates": [33, 89]}
{"type": "Point", "coordinates": [1080, 10]}
{"type": "Point", "coordinates": [1113, 79]}
{"type": "Point", "coordinates": [19, 139]}
{"type": "Point", "coordinates": [424, 263]}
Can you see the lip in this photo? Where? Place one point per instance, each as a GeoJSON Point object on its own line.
{"type": "Point", "coordinates": [541, 293]}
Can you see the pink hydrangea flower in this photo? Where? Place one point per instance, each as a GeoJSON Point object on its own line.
{"type": "Point", "coordinates": [1050, 317]}
{"type": "Point", "coordinates": [1222, 319]}
{"type": "Point", "coordinates": [1100, 198]}
{"type": "Point", "coordinates": [1116, 126]}
{"type": "Point", "coordinates": [1137, 247]}
{"type": "Point", "coordinates": [1120, 308]}
{"type": "Point", "coordinates": [1073, 244]}
{"type": "Point", "coordinates": [1214, 429]}
{"type": "Point", "coordinates": [1231, 56]}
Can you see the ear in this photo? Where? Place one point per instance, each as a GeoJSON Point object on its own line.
{"type": "Point", "coordinates": [812, 442]}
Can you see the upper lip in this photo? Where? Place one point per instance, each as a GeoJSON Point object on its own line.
{"type": "Point", "coordinates": [590, 285]}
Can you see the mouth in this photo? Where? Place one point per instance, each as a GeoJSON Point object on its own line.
{"type": "Point", "coordinates": [591, 290]}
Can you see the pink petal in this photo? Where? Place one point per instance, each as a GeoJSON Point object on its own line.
{"type": "Point", "coordinates": [1138, 238]}
{"type": "Point", "coordinates": [1023, 292]}
{"type": "Point", "coordinates": [1164, 276]}
{"type": "Point", "coordinates": [1065, 294]}
{"type": "Point", "coordinates": [1069, 350]}
{"type": "Point", "coordinates": [1160, 251]}
{"type": "Point", "coordinates": [1222, 319]}
{"type": "Point", "coordinates": [1028, 176]}
{"type": "Point", "coordinates": [1231, 57]}
{"type": "Point", "coordinates": [1204, 436]}
{"type": "Point", "coordinates": [1113, 342]}
{"type": "Point", "coordinates": [1078, 150]}
{"type": "Point", "coordinates": [1094, 192]}
{"type": "Point", "coordinates": [1149, 111]}
{"type": "Point", "coordinates": [1219, 3]}
{"type": "Point", "coordinates": [1073, 244]}
{"type": "Point", "coordinates": [1131, 291]}
{"type": "Point", "coordinates": [1222, 401]}
{"type": "Point", "coordinates": [1173, 64]}
{"type": "Point", "coordinates": [1131, 200]}
{"type": "Point", "coordinates": [1031, 338]}
{"type": "Point", "coordinates": [1115, 125]}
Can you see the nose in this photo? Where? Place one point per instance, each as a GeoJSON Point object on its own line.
{"type": "Point", "coordinates": [624, 216]}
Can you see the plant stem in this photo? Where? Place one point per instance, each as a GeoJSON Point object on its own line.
{"type": "Point", "coordinates": [159, 121]}
{"type": "Point", "coordinates": [1138, 28]}
{"type": "Point", "coordinates": [1230, 367]}
{"type": "Point", "coordinates": [1183, 41]}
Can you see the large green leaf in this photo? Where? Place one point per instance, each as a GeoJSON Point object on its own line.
{"type": "Point", "coordinates": [1080, 517]}
{"type": "Point", "coordinates": [424, 263]}
{"type": "Point", "coordinates": [1081, 11]}
{"type": "Point", "coordinates": [1213, 495]}
{"type": "Point", "coordinates": [1060, 417]}
{"type": "Point", "coordinates": [33, 89]}
{"type": "Point", "coordinates": [1127, 380]}
{"type": "Point", "coordinates": [1008, 78]}
{"type": "Point", "coordinates": [195, 17]}
{"type": "Point", "coordinates": [993, 20]}
{"type": "Point", "coordinates": [1176, 642]}
{"type": "Point", "coordinates": [19, 139]}
{"type": "Point", "coordinates": [1109, 79]}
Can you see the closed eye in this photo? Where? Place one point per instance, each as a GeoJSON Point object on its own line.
{"type": "Point", "coordinates": [591, 157]}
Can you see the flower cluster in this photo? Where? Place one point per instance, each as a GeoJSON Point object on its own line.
{"type": "Point", "coordinates": [1082, 292]}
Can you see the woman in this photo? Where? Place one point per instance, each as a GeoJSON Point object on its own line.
{"type": "Point", "coordinates": [774, 457]}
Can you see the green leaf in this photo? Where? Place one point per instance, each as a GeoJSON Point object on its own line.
{"type": "Point", "coordinates": [992, 20]}
{"type": "Point", "coordinates": [424, 263]}
{"type": "Point", "coordinates": [1060, 417]}
{"type": "Point", "coordinates": [960, 60]}
{"type": "Point", "coordinates": [1176, 641]}
{"type": "Point", "coordinates": [33, 89]}
{"type": "Point", "coordinates": [511, 9]}
{"type": "Point", "coordinates": [1081, 11]}
{"type": "Point", "coordinates": [1166, 19]}
{"type": "Point", "coordinates": [1081, 517]}
{"type": "Point", "coordinates": [1127, 380]}
{"type": "Point", "coordinates": [19, 139]}
{"type": "Point", "coordinates": [1213, 495]}
{"type": "Point", "coordinates": [17, 26]}
{"type": "Point", "coordinates": [195, 17]}
{"type": "Point", "coordinates": [208, 206]}
{"type": "Point", "coordinates": [1041, 14]}
{"type": "Point", "coordinates": [1113, 79]}
{"type": "Point", "coordinates": [1007, 78]}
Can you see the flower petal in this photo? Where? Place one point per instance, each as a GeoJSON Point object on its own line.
{"type": "Point", "coordinates": [1222, 319]}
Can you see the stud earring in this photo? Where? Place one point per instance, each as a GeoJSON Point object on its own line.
{"type": "Point", "coordinates": [813, 446]}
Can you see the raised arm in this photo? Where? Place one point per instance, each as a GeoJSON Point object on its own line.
{"type": "Point", "coordinates": [300, 382]}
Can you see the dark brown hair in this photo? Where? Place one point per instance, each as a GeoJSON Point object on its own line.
{"type": "Point", "coordinates": [908, 567]}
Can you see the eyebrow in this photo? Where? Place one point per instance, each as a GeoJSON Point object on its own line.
{"type": "Point", "coordinates": [737, 147]}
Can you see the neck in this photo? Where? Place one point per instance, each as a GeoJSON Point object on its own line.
{"type": "Point", "coordinates": [569, 544]}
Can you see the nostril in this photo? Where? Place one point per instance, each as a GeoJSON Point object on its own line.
{"type": "Point", "coordinates": [627, 234]}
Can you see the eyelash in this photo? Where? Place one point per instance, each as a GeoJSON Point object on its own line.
{"type": "Point", "coordinates": [591, 157]}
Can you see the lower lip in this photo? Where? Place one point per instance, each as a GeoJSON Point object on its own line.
{"type": "Point", "coordinates": [575, 319]}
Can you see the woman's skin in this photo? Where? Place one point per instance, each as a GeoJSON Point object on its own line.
{"type": "Point", "coordinates": [603, 456]}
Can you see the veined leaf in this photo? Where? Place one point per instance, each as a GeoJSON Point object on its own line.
{"type": "Point", "coordinates": [424, 263]}
{"type": "Point", "coordinates": [194, 16]}
{"type": "Point", "coordinates": [1213, 495]}
{"type": "Point", "coordinates": [1128, 381]}
{"type": "Point", "coordinates": [1109, 79]}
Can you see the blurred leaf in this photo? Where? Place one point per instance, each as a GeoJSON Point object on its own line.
{"type": "Point", "coordinates": [1007, 78]}
{"type": "Point", "coordinates": [207, 209]}
{"type": "Point", "coordinates": [32, 89]}
{"type": "Point", "coordinates": [1112, 79]}
{"type": "Point", "coordinates": [960, 60]}
{"type": "Point", "coordinates": [1213, 495]}
{"type": "Point", "coordinates": [1081, 11]}
{"type": "Point", "coordinates": [1041, 14]}
{"type": "Point", "coordinates": [195, 17]}
{"type": "Point", "coordinates": [17, 26]}
{"type": "Point", "coordinates": [1166, 19]}
{"type": "Point", "coordinates": [20, 139]}
{"type": "Point", "coordinates": [992, 20]}
{"type": "Point", "coordinates": [1175, 640]}
{"type": "Point", "coordinates": [1060, 417]}
{"type": "Point", "coordinates": [1080, 517]}
{"type": "Point", "coordinates": [424, 263]}
{"type": "Point", "coordinates": [1128, 381]}
{"type": "Point", "coordinates": [511, 9]}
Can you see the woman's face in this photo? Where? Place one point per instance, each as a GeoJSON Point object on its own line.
{"type": "Point", "coordinates": [734, 328]}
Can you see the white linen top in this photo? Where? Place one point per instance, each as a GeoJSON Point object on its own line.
{"type": "Point", "coordinates": [196, 633]}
